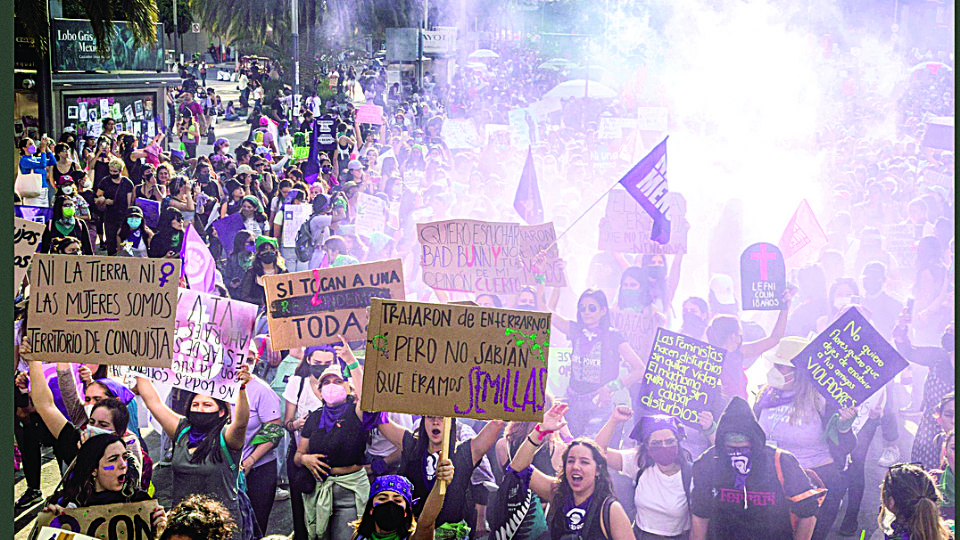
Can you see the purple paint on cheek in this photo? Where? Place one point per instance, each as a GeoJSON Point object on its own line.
{"type": "Point", "coordinates": [108, 467]}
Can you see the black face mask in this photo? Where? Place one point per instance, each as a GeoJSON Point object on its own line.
{"type": "Point", "coordinates": [267, 257]}
{"type": "Point", "coordinates": [388, 516]}
{"type": "Point", "coordinates": [316, 370]}
{"type": "Point", "coordinates": [657, 272]}
{"type": "Point", "coordinates": [693, 325]}
{"type": "Point", "coordinates": [203, 421]}
{"type": "Point", "coordinates": [526, 307]}
{"type": "Point", "coordinates": [203, 178]}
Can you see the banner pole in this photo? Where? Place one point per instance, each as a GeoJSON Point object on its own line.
{"type": "Point", "coordinates": [443, 449]}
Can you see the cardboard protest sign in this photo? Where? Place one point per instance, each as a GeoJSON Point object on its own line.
{"type": "Point", "coordinates": [227, 228]}
{"type": "Point", "coordinates": [471, 256]}
{"type": "Point", "coordinates": [900, 241]}
{"type": "Point", "coordinates": [125, 521]}
{"type": "Point", "coordinates": [371, 215]}
{"type": "Point", "coordinates": [151, 211]}
{"type": "Point", "coordinates": [850, 360]}
{"type": "Point", "coordinates": [626, 227]}
{"type": "Point", "coordinates": [638, 327]}
{"type": "Point", "coordinates": [456, 360]}
{"type": "Point", "coordinates": [460, 133]}
{"type": "Point", "coordinates": [314, 306]}
{"type": "Point", "coordinates": [49, 533]}
{"type": "Point", "coordinates": [369, 114]}
{"type": "Point", "coordinates": [682, 377]}
{"type": "Point", "coordinates": [763, 277]}
{"type": "Point", "coordinates": [533, 240]}
{"type": "Point", "coordinates": [211, 342]}
{"type": "Point", "coordinates": [120, 310]}
{"type": "Point", "coordinates": [293, 217]}
{"type": "Point", "coordinates": [26, 240]}
{"type": "Point", "coordinates": [33, 213]}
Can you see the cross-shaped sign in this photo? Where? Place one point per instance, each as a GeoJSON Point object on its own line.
{"type": "Point", "coordinates": [763, 256]}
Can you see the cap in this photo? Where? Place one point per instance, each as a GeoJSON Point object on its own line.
{"type": "Point", "coordinates": [785, 351]}
{"type": "Point", "coordinates": [134, 211]}
{"type": "Point", "coordinates": [354, 165]}
{"type": "Point", "coordinates": [245, 169]}
{"type": "Point", "coordinates": [722, 287]}
{"type": "Point", "coordinates": [332, 369]}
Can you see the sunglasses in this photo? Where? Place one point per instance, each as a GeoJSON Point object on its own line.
{"type": "Point", "coordinates": [663, 444]}
{"type": "Point", "coordinates": [592, 308]}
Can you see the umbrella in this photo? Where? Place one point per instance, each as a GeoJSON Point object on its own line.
{"type": "Point", "coordinates": [579, 88]}
{"type": "Point", "coordinates": [933, 67]}
{"type": "Point", "coordinates": [557, 63]}
{"type": "Point", "coordinates": [594, 73]}
{"type": "Point", "coordinates": [482, 53]}
{"type": "Point", "coordinates": [476, 66]}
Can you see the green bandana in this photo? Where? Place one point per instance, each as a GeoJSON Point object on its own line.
{"type": "Point", "coordinates": [452, 531]}
{"type": "Point", "coordinates": [65, 226]}
{"type": "Point", "coordinates": [947, 487]}
{"type": "Point", "coordinates": [391, 536]}
{"type": "Point", "coordinates": [268, 433]}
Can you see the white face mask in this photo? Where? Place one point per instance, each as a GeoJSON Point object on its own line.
{"type": "Point", "coordinates": [68, 190]}
{"type": "Point", "coordinates": [775, 379]}
{"type": "Point", "coordinates": [88, 408]}
{"type": "Point", "coordinates": [94, 430]}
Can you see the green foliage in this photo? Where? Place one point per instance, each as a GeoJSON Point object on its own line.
{"type": "Point", "coordinates": [141, 14]}
{"type": "Point", "coordinates": [184, 16]}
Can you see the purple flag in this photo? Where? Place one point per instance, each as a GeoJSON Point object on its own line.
{"type": "Point", "coordinates": [527, 201]}
{"type": "Point", "coordinates": [151, 211]}
{"type": "Point", "coordinates": [198, 264]}
{"type": "Point", "coordinates": [33, 213]}
{"type": "Point", "coordinates": [647, 184]}
{"type": "Point", "coordinates": [227, 228]}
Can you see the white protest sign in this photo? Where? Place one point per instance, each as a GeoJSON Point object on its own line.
{"type": "Point", "coordinates": [294, 215]}
{"type": "Point", "coordinates": [371, 215]}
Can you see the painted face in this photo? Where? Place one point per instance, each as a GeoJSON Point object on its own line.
{"type": "Point", "coordinates": [204, 404]}
{"type": "Point", "coordinates": [434, 427]}
{"type": "Point", "coordinates": [112, 470]}
{"type": "Point", "coordinates": [580, 469]}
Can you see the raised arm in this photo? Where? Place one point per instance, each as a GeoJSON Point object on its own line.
{"type": "Point", "coordinates": [236, 431]}
{"type": "Point", "coordinates": [69, 395]}
{"type": "Point", "coordinates": [540, 483]}
{"type": "Point", "coordinates": [485, 439]}
{"type": "Point", "coordinates": [165, 415]}
{"type": "Point", "coordinates": [43, 400]}
{"type": "Point", "coordinates": [426, 524]}
{"type": "Point", "coordinates": [756, 348]}
{"type": "Point", "coordinates": [673, 277]}
{"type": "Point", "coordinates": [393, 432]}
{"type": "Point", "coordinates": [620, 414]}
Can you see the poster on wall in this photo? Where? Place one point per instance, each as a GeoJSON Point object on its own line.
{"type": "Point", "coordinates": [73, 48]}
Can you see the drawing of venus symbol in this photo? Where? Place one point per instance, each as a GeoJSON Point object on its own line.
{"type": "Point", "coordinates": [197, 357]}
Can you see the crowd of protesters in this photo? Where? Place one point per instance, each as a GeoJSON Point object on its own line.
{"type": "Point", "coordinates": [770, 462]}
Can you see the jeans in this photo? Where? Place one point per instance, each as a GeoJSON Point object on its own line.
{"type": "Point", "coordinates": [262, 488]}
{"type": "Point", "coordinates": [30, 434]}
{"type": "Point", "coordinates": [289, 255]}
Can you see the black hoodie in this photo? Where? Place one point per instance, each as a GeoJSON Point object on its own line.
{"type": "Point", "coordinates": [762, 508]}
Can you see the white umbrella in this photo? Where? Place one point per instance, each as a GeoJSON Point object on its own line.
{"type": "Point", "coordinates": [557, 63]}
{"type": "Point", "coordinates": [579, 88]}
{"type": "Point", "coordinates": [482, 53]}
{"type": "Point", "coordinates": [476, 66]}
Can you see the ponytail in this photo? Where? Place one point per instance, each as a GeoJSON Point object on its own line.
{"type": "Point", "coordinates": [926, 523]}
{"type": "Point", "coordinates": [914, 497]}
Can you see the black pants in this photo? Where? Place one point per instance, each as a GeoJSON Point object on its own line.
{"type": "Point", "coordinates": [833, 479]}
{"type": "Point", "coordinates": [29, 433]}
{"type": "Point", "coordinates": [296, 507]}
{"type": "Point", "coordinates": [262, 488]}
{"type": "Point", "coordinates": [110, 230]}
{"type": "Point", "coordinates": [854, 475]}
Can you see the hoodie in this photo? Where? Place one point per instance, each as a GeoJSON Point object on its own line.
{"type": "Point", "coordinates": [759, 506]}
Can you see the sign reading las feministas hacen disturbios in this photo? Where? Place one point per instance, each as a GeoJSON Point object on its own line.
{"type": "Point", "coordinates": [120, 310]}
{"type": "Point", "coordinates": [850, 360]}
{"type": "Point", "coordinates": [763, 277]}
{"type": "Point", "coordinates": [682, 377]}
{"type": "Point", "coordinates": [471, 256]}
{"type": "Point", "coordinates": [313, 307]}
{"type": "Point", "coordinates": [456, 360]}
{"type": "Point", "coordinates": [210, 344]}
{"type": "Point", "coordinates": [26, 240]}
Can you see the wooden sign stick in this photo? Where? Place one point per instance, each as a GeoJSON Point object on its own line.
{"type": "Point", "coordinates": [443, 449]}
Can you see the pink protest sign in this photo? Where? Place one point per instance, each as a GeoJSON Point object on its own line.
{"type": "Point", "coordinates": [370, 114]}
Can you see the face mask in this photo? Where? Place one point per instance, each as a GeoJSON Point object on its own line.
{"type": "Point", "coordinates": [388, 516]}
{"type": "Point", "coordinates": [840, 301]}
{"type": "Point", "coordinates": [31, 149]}
{"type": "Point", "coordinates": [657, 272]}
{"type": "Point", "coordinates": [204, 178]}
{"type": "Point", "coordinates": [68, 212]}
{"type": "Point", "coordinates": [68, 190]}
{"type": "Point", "coordinates": [333, 394]}
{"type": "Point", "coordinates": [114, 175]}
{"type": "Point", "coordinates": [94, 430]}
{"type": "Point", "coordinates": [664, 455]}
{"type": "Point", "coordinates": [88, 409]}
{"type": "Point", "coordinates": [630, 297]}
{"type": "Point", "coordinates": [317, 370]}
{"type": "Point", "coordinates": [268, 257]}
{"type": "Point", "coordinates": [326, 169]}
{"type": "Point", "coordinates": [775, 379]}
{"type": "Point", "coordinates": [134, 222]}
{"type": "Point", "coordinates": [693, 324]}
{"type": "Point", "coordinates": [203, 421]}
{"type": "Point", "coordinates": [739, 459]}
{"type": "Point", "coordinates": [526, 307]}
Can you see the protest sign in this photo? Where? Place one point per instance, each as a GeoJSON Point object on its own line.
{"type": "Point", "coordinates": [763, 277]}
{"type": "Point", "coordinates": [315, 306]}
{"type": "Point", "coordinates": [293, 217]}
{"type": "Point", "coordinates": [26, 240]}
{"type": "Point", "coordinates": [227, 228]}
{"type": "Point", "coordinates": [371, 215]}
{"type": "Point", "coordinates": [124, 521]}
{"type": "Point", "coordinates": [523, 128]}
{"type": "Point", "coordinates": [626, 227]}
{"type": "Point", "coordinates": [939, 179]}
{"type": "Point", "coordinates": [49, 533]}
{"type": "Point", "coordinates": [533, 240]}
{"type": "Point", "coordinates": [33, 213]}
{"type": "Point", "coordinates": [460, 133]}
{"type": "Point", "coordinates": [151, 211]}
{"type": "Point", "coordinates": [83, 307]}
{"type": "Point", "coordinates": [369, 114]}
{"type": "Point", "coordinates": [456, 360]}
{"type": "Point", "coordinates": [638, 327]}
{"type": "Point", "coordinates": [682, 377]}
{"type": "Point", "coordinates": [900, 241]}
{"type": "Point", "coordinates": [471, 256]}
{"type": "Point", "coordinates": [558, 378]}
{"type": "Point", "coordinates": [210, 344]}
{"type": "Point", "coordinates": [613, 128]}
{"type": "Point", "coordinates": [850, 360]}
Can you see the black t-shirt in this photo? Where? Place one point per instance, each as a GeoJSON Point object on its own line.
{"type": "Point", "coordinates": [66, 445]}
{"type": "Point", "coordinates": [344, 444]}
{"type": "Point", "coordinates": [117, 192]}
{"type": "Point", "coordinates": [767, 513]}
{"type": "Point", "coordinates": [595, 360]}
{"type": "Point", "coordinates": [421, 470]}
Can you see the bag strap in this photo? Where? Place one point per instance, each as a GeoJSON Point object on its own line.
{"type": "Point", "coordinates": [815, 491]}
{"type": "Point", "coordinates": [605, 516]}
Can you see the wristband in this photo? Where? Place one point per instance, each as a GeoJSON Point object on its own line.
{"type": "Point", "coordinates": [713, 427]}
{"type": "Point", "coordinates": [541, 433]}
{"type": "Point", "coordinates": [531, 441]}
{"type": "Point", "coordinates": [243, 386]}
{"type": "Point", "coordinates": [349, 369]}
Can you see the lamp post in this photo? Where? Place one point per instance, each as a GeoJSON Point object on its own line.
{"type": "Point", "coordinates": [295, 26]}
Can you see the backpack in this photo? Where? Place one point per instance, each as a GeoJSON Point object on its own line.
{"type": "Point", "coordinates": [304, 242]}
{"type": "Point", "coordinates": [819, 488]}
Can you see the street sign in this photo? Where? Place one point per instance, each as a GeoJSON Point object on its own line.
{"type": "Point", "coordinates": [195, 28]}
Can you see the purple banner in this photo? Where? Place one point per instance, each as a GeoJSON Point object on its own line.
{"type": "Point", "coordinates": [33, 213]}
{"type": "Point", "coordinates": [151, 212]}
{"type": "Point", "coordinates": [227, 228]}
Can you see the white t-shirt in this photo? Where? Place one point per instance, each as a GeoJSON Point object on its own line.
{"type": "Point", "coordinates": [379, 446]}
{"type": "Point", "coordinates": [660, 500]}
{"type": "Point", "coordinates": [308, 401]}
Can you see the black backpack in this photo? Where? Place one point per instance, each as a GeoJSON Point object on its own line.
{"type": "Point", "coordinates": [304, 241]}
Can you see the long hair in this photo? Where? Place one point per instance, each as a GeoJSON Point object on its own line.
{"type": "Point", "coordinates": [79, 484]}
{"type": "Point", "coordinates": [561, 489]}
{"type": "Point", "coordinates": [364, 527]}
{"type": "Point", "coordinates": [422, 447]}
{"type": "Point", "coordinates": [240, 242]}
{"type": "Point", "coordinates": [257, 266]}
{"type": "Point", "coordinates": [600, 298]}
{"type": "Point", "coordinates": [210, 445]}
{"type": "Point", "coordinates": [915, 497]}
{"type": "Point", "coordinates": [807, 404]}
